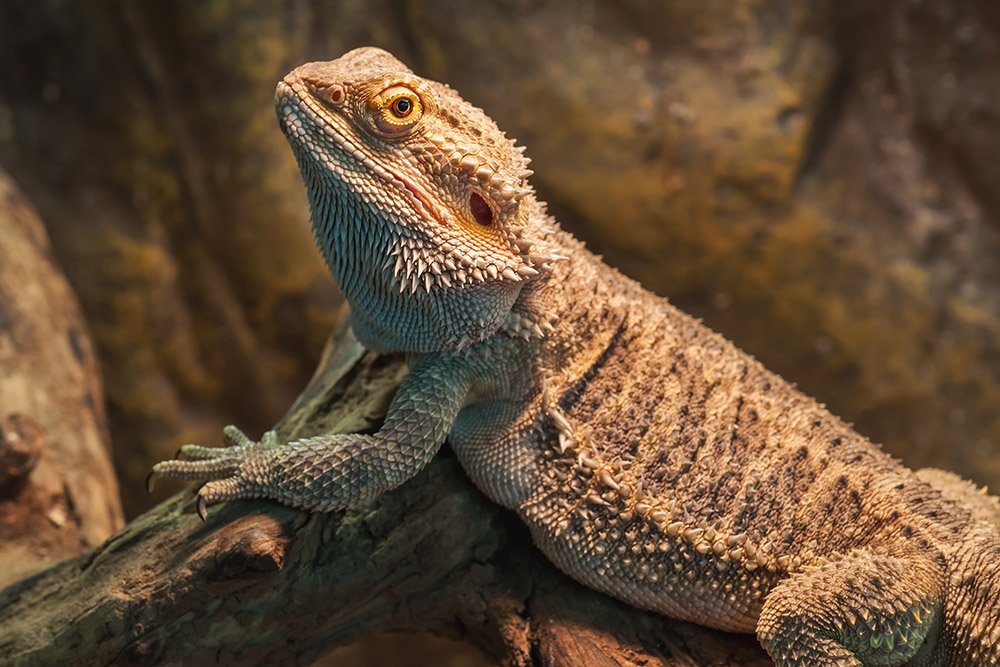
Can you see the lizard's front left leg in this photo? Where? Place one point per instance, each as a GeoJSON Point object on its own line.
{"type": "Point", "coordinates": [334, 472]}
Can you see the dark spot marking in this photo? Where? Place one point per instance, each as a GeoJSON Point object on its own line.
{"type": "Point", "coordinates": [572, 395]}
{"type": "Point", "coordinates": [736, 424]}
{"type": "Point", "coordinates": [723, 490]}
{"type": "Point", "coordinates": [698, 444]}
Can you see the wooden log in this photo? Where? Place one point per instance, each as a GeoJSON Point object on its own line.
{"type": "Point", "coordinates": [261, 583]}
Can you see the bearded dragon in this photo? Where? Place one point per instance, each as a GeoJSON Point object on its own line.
{"type": "Point", "coordinates": [650, 458]}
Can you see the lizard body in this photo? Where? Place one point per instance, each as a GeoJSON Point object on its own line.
{"type": "Point", "coordinates": [650, 458]}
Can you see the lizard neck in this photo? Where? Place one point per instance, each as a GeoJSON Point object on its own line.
{"type": "Point", "coordinates": [361, 248]}
{"type": "Point", "coordinates": [577, 298]}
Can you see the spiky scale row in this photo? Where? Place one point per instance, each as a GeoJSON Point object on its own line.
{"type": "Point", "coordinates": [414, 266]}
{"type": "Point", "coordinates": [627, 502]}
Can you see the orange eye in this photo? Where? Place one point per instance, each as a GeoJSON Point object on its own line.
{"type": "Point", "coordinates": [397, 109]}
{"type": "Point", "coordinates": [401, 107]}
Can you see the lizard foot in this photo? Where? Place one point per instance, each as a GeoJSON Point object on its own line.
{"type": "Point", "coordinates": [322, 473]}
{"type": "Point", "coordinates": [223, 467]}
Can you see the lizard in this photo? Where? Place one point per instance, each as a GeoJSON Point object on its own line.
{"type": "Point", "coordinates": [650, 458]}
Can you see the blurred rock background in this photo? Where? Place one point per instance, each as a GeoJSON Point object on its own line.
{"type": "Point", "coordinates": [817, 180]}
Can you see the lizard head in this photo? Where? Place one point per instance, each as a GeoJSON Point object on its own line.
{"type": "Point", "coordinates": [418, 200]}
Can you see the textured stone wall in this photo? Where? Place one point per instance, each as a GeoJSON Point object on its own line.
{"type": "Point", "coordinates": [817, 180]}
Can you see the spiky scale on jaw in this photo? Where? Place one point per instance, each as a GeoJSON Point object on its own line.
{"type": "Point", "coordinates": [650, 458]}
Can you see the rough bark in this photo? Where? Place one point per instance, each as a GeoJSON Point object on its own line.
{"type": "Point", "coordinates": [261, 583]}
{"type": "Point", "coordinates": [58, 491]}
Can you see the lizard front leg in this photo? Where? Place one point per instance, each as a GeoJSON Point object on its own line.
{"type": "Point", "coordinates": [333, 472]}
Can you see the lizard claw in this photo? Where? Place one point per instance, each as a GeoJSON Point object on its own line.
{"type": "Point", "coordinates": [201, 506]}
{"type": "Point", "coordinates": [150, 481]}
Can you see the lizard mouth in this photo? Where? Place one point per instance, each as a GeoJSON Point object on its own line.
{"type": "Point", "coordinates": [297, 112]}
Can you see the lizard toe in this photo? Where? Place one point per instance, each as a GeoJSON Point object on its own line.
{"type": "Point", "coordinates": [211, 469]}
{"type": "Point", "coordinates": [237, 444]}
{"type": "Point", "coordinates": [202, 453]}
{"type": "Point", "coordinates": [234, 437]}
{"type": "Point", "coordinates": [219, 491]}
{"type": "Point", "coordinates": [270, 439]}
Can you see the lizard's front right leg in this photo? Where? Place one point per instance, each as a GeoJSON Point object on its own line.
{"type": "Point", "coordinates": [340, 471]}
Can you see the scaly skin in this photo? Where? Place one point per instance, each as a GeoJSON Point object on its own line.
{"type": "Point", "coordinates": [651, 459]}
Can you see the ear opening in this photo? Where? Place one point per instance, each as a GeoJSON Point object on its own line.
{"type": "Point", "coordinates": [482, 212]}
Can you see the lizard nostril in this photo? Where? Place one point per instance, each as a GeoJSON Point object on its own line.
{"type": "Point", "coordinates": [330, 94]}
{"type": "Point", "coordinates": [481, 211]}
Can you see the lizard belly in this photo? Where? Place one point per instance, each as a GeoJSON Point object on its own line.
{"type": "Point", "coordinates": [636, 560]}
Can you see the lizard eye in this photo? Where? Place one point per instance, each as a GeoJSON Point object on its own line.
{"type": "Point", "coordinates": [401, 107]}
{"type": "Point", "coordinates": [398, 109]}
